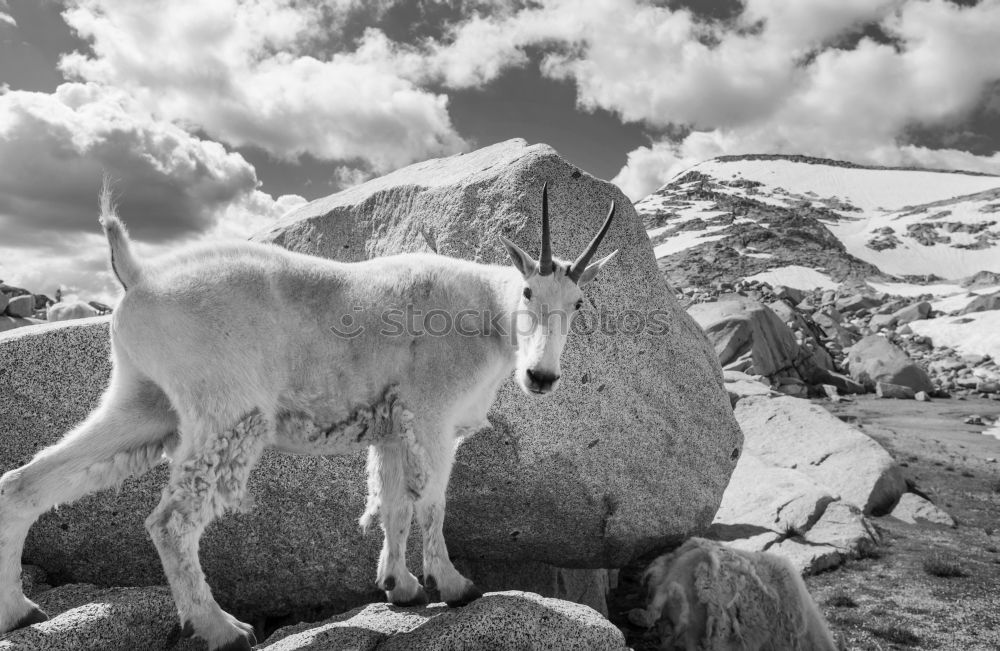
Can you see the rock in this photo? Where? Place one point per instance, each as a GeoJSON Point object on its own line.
{"type": "Point", "coordinates": [739, 385]}
{"type": "Point", "coordinates": [895, 391]}
{"type": "Point", "coordinates": [845, 384]}
{"type": "Point", "coordinates": [545, 484]}
{"type": "Point", "coordinates": [586, 587]}
{"type": "Point", "coordinates": [789, 294]}
{"type": "Point", "coordinates": [988, 386]}
{"type": "Point", "coordinates": [982, 304]}
{"type": "Point", "coordinates": [876, 359]}
{"type": "Point", "coordinates": [33, 580]}
{"type": "Point", "coordinates": [913, 509]}
{"type": "Point", "coordinates": [796, 434]}
{"type": "Point", "coordinates": [22, 306]}
{"type": "Point", "coordinates": [764, 496]}
{"type": "Point", "coordinates": [922, 396]}
{"type": "Point", "coordinates": [856, 303]}
{"type": "Point", "coordinates": [914, 312]}
{"type": "Point", "coordinates": [3, 302]}
{"type": "Point", "coordinates": [88, 618]}
{"type": "Point", "coordinates": [831, 392]}
{"type": "Point", "coordinates": [881, 321]}
{"type": "Point", "coordinates": [844, 527]}
{"type": "Point", "coordinates": [11, 322]}
{"type": "Point", "coordinates": [741, 328]}
{"type": "Point", "coordinates": [501, 621]}
{"type": "Point", "coordinates": [975, 419]}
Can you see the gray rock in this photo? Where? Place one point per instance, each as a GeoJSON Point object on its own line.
{"type": "Point", "coordinates": [911, 313]}
{"type": "Point", "coordinates": [793, 433]}
{"type": "Point", "coordinates": [739, 327]}
{"type": "Point", "coordinates": [894, 391]}
{"type": "Point", "coordinates": [3, 302]}
{"type": "Point", "coordinates": [921, 396]}
{"type": "Point", "coordinates": [739, 385]}
{"type": "Point", "coordinates": [982, 304]}
{"type": "Point", "coordinates": [87, 618]}
{"type": "Point", "coordinates": [876, 359]}
{"type": "Point", "coordinates": [576, 480]}
{"type": "Point", "coordinates": [914, 509]}
{"type": "Point", "coordinates": [856, 303]}
{"type": "Point", "coordinates": [880, 321]}
{"type": "Point", "coordinates": [765, 496]}
{"type": "Point", "coordinates": [500, 621]}
{"type": "Point", "coordinates": [11, 322]}
{"type": "Point", "coordinates": [22, 306]}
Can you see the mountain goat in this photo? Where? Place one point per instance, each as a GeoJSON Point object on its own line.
{"type": "Point", "coordinates": [710, 597]}
{"type": "Point", "coordinates": [222, 351]}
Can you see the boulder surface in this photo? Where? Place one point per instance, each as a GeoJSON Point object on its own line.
{"type": "Point", "coordinates": [501, 621]}
{"type": "Point", "coordinates": [576, 480]}
{"type": "Point", "coordinates": [876, 359]}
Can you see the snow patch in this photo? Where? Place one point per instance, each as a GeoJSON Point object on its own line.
{"type": "Point", "coordinates": [913, 289]}
{"type": "Point", "coordinates": [972, 334]}
{"type": "Point", "coordinates": [795, 276]}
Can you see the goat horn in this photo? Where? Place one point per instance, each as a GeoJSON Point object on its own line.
{"type": "Point", "coordinates": [545, 261]}
{"type": "Point", "coordinates": [580, 264]}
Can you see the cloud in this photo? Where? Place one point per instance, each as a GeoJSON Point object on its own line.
{"type": "Point", "coordinates": [171, 185]}
{"type": "Point", "coordinates": [849, 79]}
{"type": "Point", "coordinates": [5, 16]}
{"type": "Point", "coordinates": [254, 73]}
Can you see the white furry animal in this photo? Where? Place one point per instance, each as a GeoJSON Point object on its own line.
{"type": "Point", "coordinates": [67, 311]}
{"type": "Point", "coordinates": [709, 597]}
{"type": "Point", "coordinates": [222, 351]}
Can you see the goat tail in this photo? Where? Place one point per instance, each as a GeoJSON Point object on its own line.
{"type": "Point", "coordinates": [123, 262]}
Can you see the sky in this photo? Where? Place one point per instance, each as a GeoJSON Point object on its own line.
{"type": "Point", "coordinates": [215, 118]}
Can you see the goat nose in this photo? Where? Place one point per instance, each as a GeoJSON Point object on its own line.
{"type": "Point", "coordinates": [542, 380]}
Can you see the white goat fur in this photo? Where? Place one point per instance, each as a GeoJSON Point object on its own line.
{"type": "Point", "coordinates": [222, 351]}
{"type": "Point", "coordinates": [67, 311]}
{"type": "Point", "coordinates": [709, 597]}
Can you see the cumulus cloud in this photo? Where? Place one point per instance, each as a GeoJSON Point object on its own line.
{"type": "Point", "coordinates": [250, 73]}
{"type": "Point", "coordinates": [840, 78]}
{"type": "Point", "coordinates": [171, 186]}
{"type": "Point", "coordinates": [5, 16]}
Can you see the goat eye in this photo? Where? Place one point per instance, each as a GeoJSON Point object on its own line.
{"type": "Point", "coordinates": [527, 293]}
{"type": "Point", "coordinates": [579, 304]}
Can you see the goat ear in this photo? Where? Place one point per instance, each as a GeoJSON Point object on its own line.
{"type": "Point", "coordinates": [524, 262]}
{"type": "Point", "coordinates": [591, 271]}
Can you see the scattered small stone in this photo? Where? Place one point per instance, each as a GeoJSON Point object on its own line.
{"type": "Point", "coordinates": [975, 419]}
{"type": "Point", "coordinates": [922, 396]}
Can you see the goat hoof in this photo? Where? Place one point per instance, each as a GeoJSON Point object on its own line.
{"type": "Point", "coordinates": [419, 599]}
{"type": "Point", "coordinates": [244, 642]}
{"type": "Point", "coordinates": [471, 594]}
{"type": "Point", "coordinates": [430, 583]}
{"type": "Point", "coordinates": [35, 616]}
{"type": "Point", "coordinates": [389, 584]}
{"type": "Point", "coordinates": [187, 629]}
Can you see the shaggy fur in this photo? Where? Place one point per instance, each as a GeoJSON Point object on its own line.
{"type": "Point", "coordinates": [220, 352]}
{"type": "Point", "coordinates": [709, 597]}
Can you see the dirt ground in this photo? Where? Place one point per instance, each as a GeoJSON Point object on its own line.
{"type": "Point", "coordinates": [891, 600]}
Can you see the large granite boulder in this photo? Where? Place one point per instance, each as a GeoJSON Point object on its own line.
{"type": "Point", "coordinates": [802, 486]}
{"type": "Point", "coordinates": [504, 621]}
{"type": "Point", "coordinates": [748, 336]}
{"type": "Point", "coordinates": [88, 618]}
{"type": "Point", "coordinates": [634, 451]}
{"type": "Point", "coordinates": [876, 359]}
{"type": "Point", "coordinates": [796, 434]}
{"type": "Point", "coordinates": [21, 306]}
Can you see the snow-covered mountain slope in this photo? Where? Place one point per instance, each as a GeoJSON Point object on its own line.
{"type": "Point", "coordinates": [770, 216]}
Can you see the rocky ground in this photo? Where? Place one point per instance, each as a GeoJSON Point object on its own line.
{"type": "Point", "coordinates": [902, 595]}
